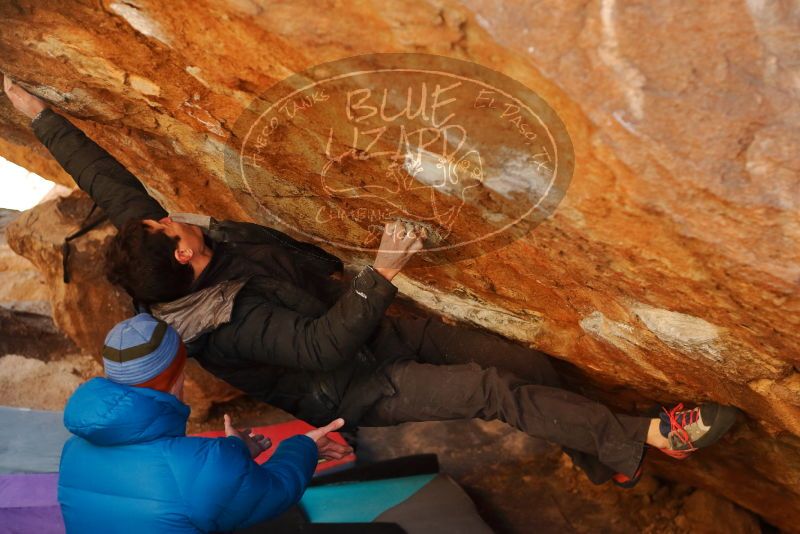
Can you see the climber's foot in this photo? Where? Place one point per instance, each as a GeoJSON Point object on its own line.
{"type": "Point", "coordinates": [624, 481]}
{"type": "Point", "coordinates": [689, 430]}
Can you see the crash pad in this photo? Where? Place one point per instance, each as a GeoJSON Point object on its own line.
{"type": "Point", "coordinates": [32, 440]}
{"type": "Point", "coordinates": [281, 431]}
{"type": "Point", "coordinates": [29, 503]}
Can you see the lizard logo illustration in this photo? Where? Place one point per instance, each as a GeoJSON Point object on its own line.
{"type": "Point", "coordinates": [442, 183]}
{"type": "Point", "coordinates": [336, 151]}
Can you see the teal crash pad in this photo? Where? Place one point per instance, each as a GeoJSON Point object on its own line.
{"type": "Point", "coordinates": [359, 502]}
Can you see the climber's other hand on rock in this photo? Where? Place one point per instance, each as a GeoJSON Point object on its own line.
{"type": "Point", "coordinates": [399, 242]}
{"type": "Point", "coordinates": [26, 103]}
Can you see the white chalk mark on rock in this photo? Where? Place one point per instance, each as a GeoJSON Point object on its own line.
{"type": "Point", "coordinates": [523, 326]}
{"type": "Point", "coordinates": [205, 118]}
{"type": "Point", "coordinates": [620, 335]}
{"type": "Point", "coordinates": [139, 20]}
{"type": "Point", "coordinates": [630, 78]}
{"type": "Point", "coordinates": [144, 86]}
{"type": "Point", "coordinates": [682, 331]}
{"type": "Point", "coordinates": [195, 73]}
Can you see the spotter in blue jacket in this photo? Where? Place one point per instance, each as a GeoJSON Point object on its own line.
{"type": "Point", "coordinates": [131, 468]}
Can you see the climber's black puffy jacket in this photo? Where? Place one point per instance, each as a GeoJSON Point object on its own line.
{"type": "Point", "coordinates": [267, 314]}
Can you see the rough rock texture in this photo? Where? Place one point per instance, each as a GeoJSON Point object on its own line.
{"type": "Point", "coordinates": [43, 385]}
{"type": "Point", "coordinates": [26, 322]}
{"type": "Point", "coordinates": [82, 308]}
{"type": "Point", "coordinates": [88, 306]}
{"type": "Point", "coordinates": [669, 270]}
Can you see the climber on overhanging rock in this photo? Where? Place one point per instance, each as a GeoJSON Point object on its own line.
{"type": "Point", "coordinates": [269, 315]}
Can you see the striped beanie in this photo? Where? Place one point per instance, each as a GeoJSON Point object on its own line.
{"type": "Point", "coordinates": [145, 352]}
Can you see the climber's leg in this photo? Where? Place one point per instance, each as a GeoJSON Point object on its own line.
{"type": "Point", "coordinates": [442, 344]}
{"type": "Point", "coordinates": [428, 392]}
{"type": "Point", "coordinates": [433, 341]}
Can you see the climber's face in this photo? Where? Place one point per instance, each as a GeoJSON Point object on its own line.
{"type": "Point", "coordinates": [189, 237]}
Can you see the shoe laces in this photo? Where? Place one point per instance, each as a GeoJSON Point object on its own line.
{"type": "Point", "coordinates": [679, 419]}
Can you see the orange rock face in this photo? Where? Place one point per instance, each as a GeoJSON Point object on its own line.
{"type": "Point", "coordinates": [87, 307]}
{"type": "Point", "coordinates": [671, 267]}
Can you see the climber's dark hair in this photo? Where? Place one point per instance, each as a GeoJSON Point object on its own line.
{"type": "Point", "coordinates": [143, 262]}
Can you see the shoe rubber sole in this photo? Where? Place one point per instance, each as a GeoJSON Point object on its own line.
{"type": "Point", "coordinates": [721, 422]}
{"type": "Point", "coordinates": [622, 481]}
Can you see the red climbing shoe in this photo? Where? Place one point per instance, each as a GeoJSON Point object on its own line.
{"type": "Point", "coordinates": [689, 430]}
{"type": "Point", "coordinates": [624, 481]}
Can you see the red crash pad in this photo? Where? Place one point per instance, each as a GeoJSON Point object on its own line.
{"type": "Point", "coordinates": [282, 431]}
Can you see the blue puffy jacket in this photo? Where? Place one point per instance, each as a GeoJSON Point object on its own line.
{"type": "Point", "coordinates": [131, 468]}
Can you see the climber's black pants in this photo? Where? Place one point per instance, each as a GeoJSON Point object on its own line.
{"type": "Point", "coordinates": [463, 373]}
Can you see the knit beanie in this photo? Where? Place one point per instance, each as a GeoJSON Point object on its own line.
{"type": "Point", "coordinates": [144, 352]}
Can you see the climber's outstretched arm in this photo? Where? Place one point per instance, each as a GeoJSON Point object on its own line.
{"type": "Point", "coordinates": [111, 185]}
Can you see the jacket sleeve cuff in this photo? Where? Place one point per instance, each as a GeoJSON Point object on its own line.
{"type": "Point", "coordinates": [38, 116]}
{"type": "Point", "coordinates": [238, 444]}
{"type": "Point", "coordinates": [370, 282]}
{"type": "Point", "coordinates": [303, 441]}
{"type": "Point", "coordinates": [299, 450]}
{"type": "Point", "coordinates": [45, 122]}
